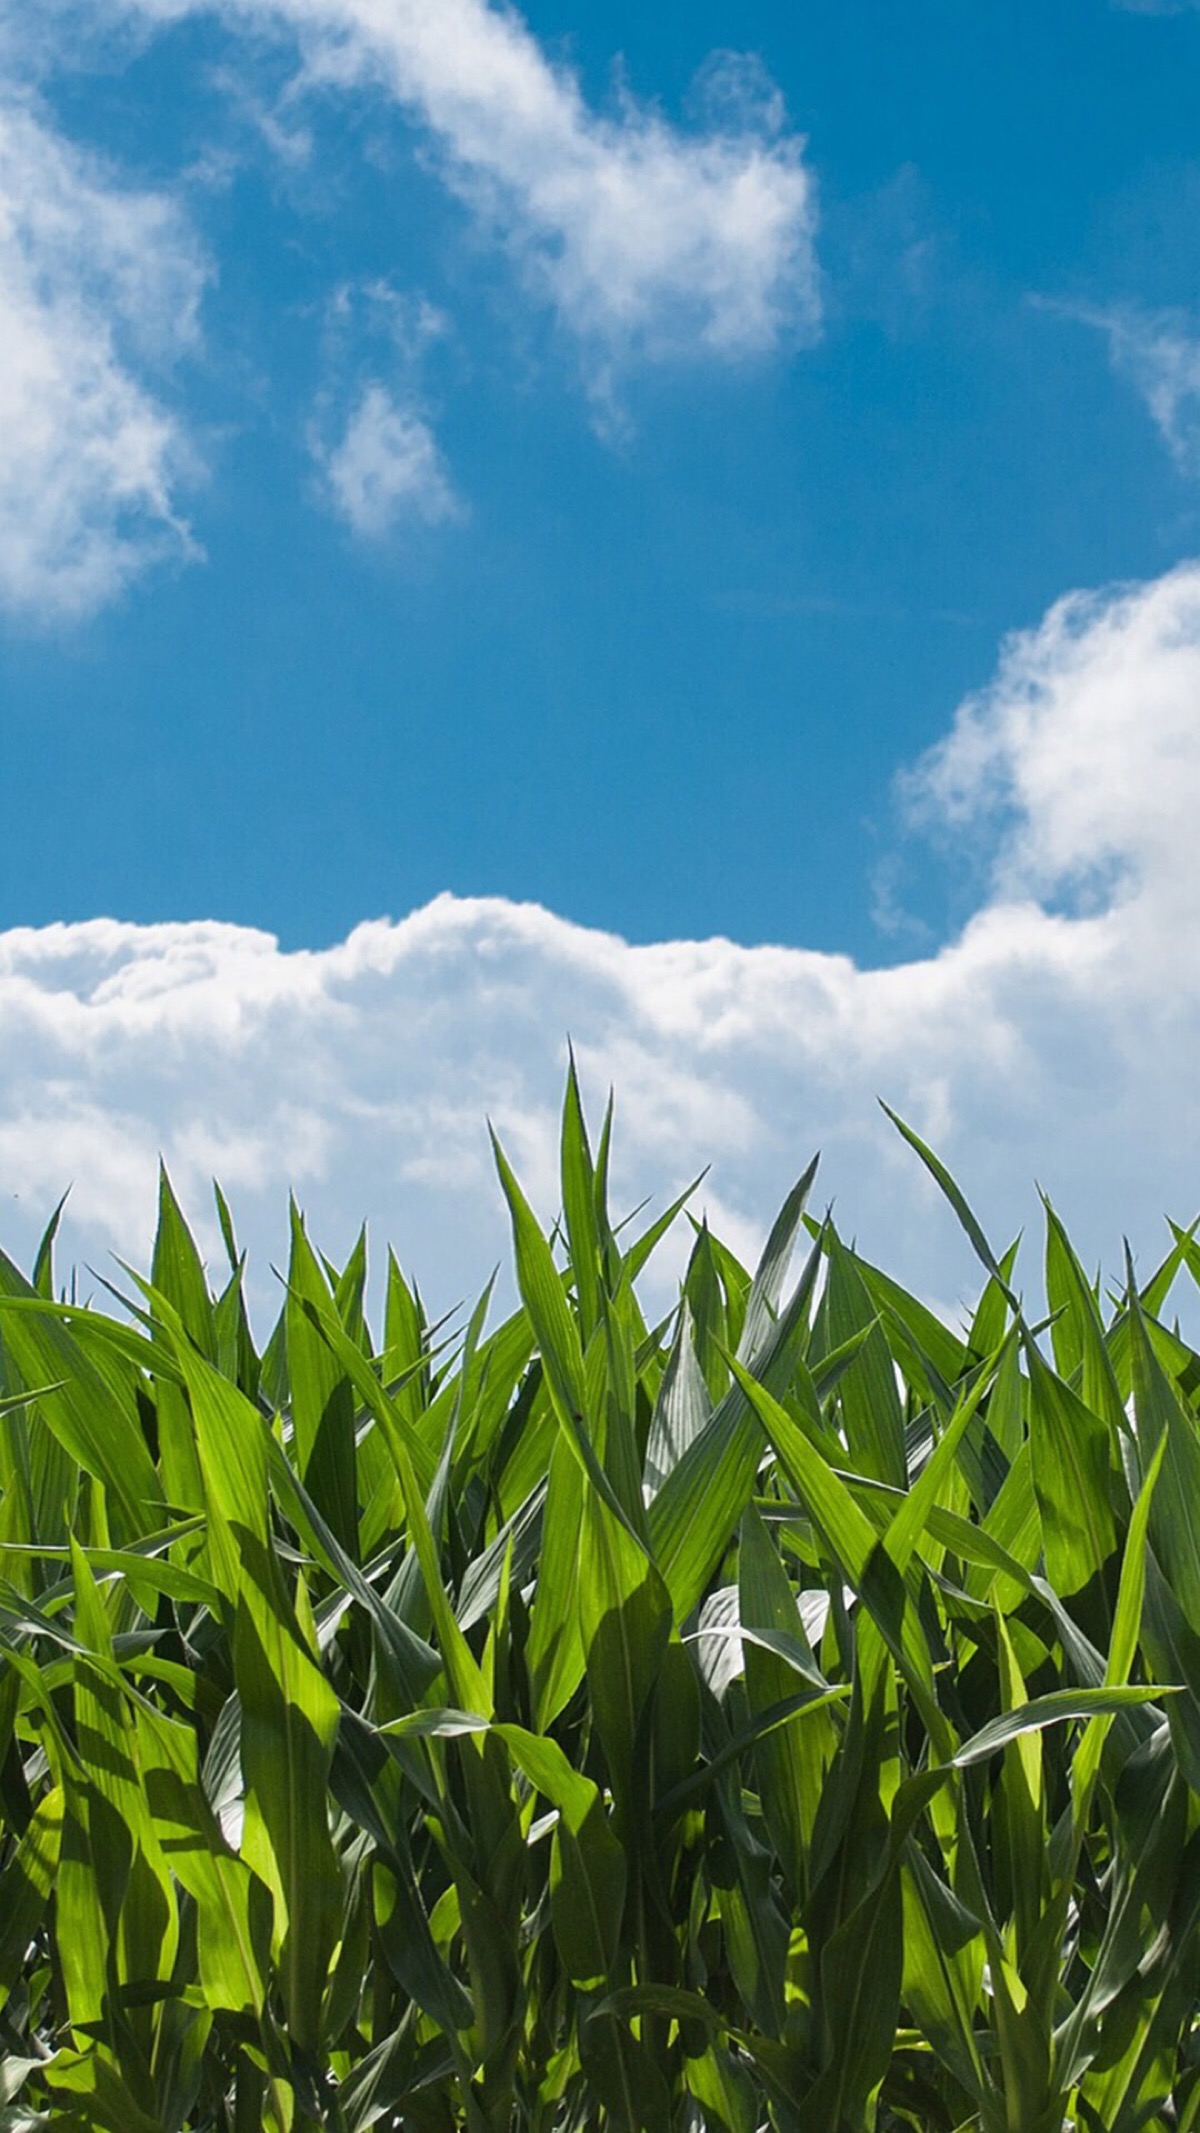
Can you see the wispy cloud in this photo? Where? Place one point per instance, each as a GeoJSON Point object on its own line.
{"type": "Point", "coordinates": [649, 239]}
{"type": "Point", "coordinates": [266, 118]}
{"type": "Point", "coordinates": [1054, 1038]}
{"type": "Point", "coordinates": [99, 288]}
{"type": "Point", "coordinates": [1158, 353]}
{"type": "Point", "coordinates": [372, 434]}
{"type": "Point", "coordinates": [387, 468]}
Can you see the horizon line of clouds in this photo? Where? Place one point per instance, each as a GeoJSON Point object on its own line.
{"type": "Point", "coordinates": [649, 241]}
{"type": "Point", "coordinates": [1054, 1037]}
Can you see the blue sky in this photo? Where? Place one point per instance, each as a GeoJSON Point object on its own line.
{"type": "Point", "coordinates": [623, 468]}
{"type": "Point", "coordinates": [658, 665]}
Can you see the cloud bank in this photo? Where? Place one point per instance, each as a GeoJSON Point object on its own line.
{"type": "Point", "coordinates": [99, 287]}
{"type": "Point", "coordinates": [1056, 1038]}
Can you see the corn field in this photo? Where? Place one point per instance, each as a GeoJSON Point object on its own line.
{"type": "Point", "coordinates": [783, 1716]}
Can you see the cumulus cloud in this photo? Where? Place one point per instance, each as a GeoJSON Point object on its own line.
{"type": "Point", "coordinates": [647, 238]}
{"type": "Point", "coordinates": [99, 288]}
{"type": "Point", "coordinates": [1056, 1038]}
{"type": "Point", "coordinates": [386, 469]}
{"type": "Point", "coordinates": [1086, 751]}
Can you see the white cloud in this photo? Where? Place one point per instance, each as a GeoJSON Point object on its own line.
{"type": "Point", "coordinates": [1087, 745]}
{"type": "Point", "coordinates": [1056, 1038]}
{"type": "Point", "coordinates": [98, 286]}
{"type": "Point", "coordinates": [1158, 353]}
{"type": "Point", "coordinates": [386, 469]}
{"type": "Point", "coordinates": [648, 239]}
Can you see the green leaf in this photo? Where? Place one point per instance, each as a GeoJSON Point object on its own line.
{"type": "Point", "coordinates": [289, 1711]}
{"type": "Point", "coordinates": [43, 1265]}
{"type": "Point", "coordinates": [639, 1253]}
{"type": "Point", "coordinates": [762, 1303]}
{"type": "Point", "coordinates": [322, 1394]}
{"type": "Point", "coordinates": [922, 1330]}
{"type": "Point", "coordinates": [26, 1883]}
{"type": "Point", "coordinates": [1165, 1427]}
{"type": "Point", "coordinates": [697, 1509]}
{"type": "Point", "coordinates": [944, 1955]}
{"type": "Point", "coordinates": [555, 1650]}
{"type": "Point", "coordinates": [683, 1407]}
{"type": "Point", "coordinates": [110, 2103]}
{"type": "Point", "coordinates": [178, 1272]}
{"type": "Point", "coordinates": [914, 1512]}
{"type": "Point", "coordinates": [1070, 1294]}
{"type": "Point", "coordinates": [233, 1907]}
{"type": "Point", "coordinates": [753, 1924]}
{"type": "Point", "coordinates": [92, 1410]}
{"type": "Point", "coordinates": [623, 2074]}
{"type": "Point", "coordinates": [1052, 1710]}
{"type": "Point", "coordinates": [991, 1317]}
{"type": "Point", "coordinates": [867, 1392]}
{"type": "Point", "coordinates": [1127, 1624]}
{"type": "Point", "coordinates": [588, 1872]}
{"type": "Point", "coordinates": [953, 1193]}
{"type": "Point", "coordinates": [851, 1539]}
{"type": "Point", "coordinates": [625, 1620]}
{"type": "Point", "coordinates": [861, 1975]}
{"type": "Point", "coordinates": [791, 1762]}
{"type": "Point", "coordinates": [579, 1206]}
{"type": "Point", "coordinates": [1069, 1445]}
{"type": "Point", "coordinates": [724, 2091]}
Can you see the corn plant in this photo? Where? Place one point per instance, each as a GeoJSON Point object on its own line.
{"type": "Point", "coordinates": [782, 1716]}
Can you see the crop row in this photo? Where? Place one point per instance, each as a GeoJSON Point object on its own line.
{"type": "Point", "coordinates": [786, 1715]}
